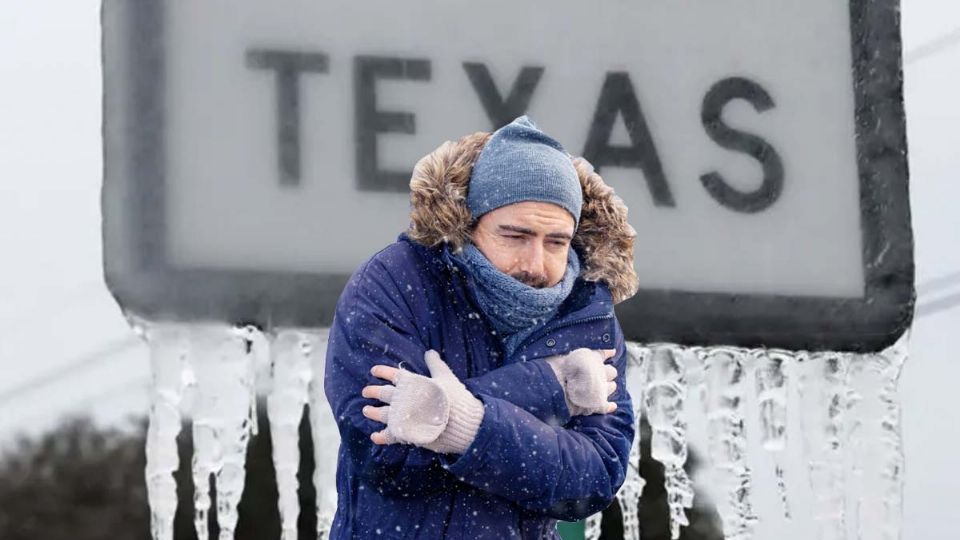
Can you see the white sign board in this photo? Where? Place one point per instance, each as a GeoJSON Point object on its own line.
{"type": "Point", "coordinates": [259, 151]}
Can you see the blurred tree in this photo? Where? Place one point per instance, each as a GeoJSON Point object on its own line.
{"type": "Point", "coordinates": [78, 482]}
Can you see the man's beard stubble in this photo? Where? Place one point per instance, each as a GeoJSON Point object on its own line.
{"type": "Point", "coordinates": [537, 281]}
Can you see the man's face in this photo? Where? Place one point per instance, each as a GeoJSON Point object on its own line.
{"type": "Point", "coordinates": [527, 240]}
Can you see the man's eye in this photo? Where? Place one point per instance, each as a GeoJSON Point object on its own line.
{"type": "Point", "coordinates": [514, 236]}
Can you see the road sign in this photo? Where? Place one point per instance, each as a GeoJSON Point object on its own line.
{"type": "Point", "coordinates": [257, 153]}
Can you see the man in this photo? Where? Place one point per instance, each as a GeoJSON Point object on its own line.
{"type": "Point", "coordinates": [475, 367]}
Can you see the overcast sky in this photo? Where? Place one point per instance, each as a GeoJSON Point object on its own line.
{"type": "Point", "coordinates": [54, 310]}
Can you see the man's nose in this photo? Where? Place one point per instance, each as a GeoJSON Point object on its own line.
{"type": "Point", "coordinates": [533, 259]}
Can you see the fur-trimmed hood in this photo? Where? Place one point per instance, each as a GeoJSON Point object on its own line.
{"type": "Point", "coordinates": [439, 213]}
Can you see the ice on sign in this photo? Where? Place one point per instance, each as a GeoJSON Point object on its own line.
{"type": "Point", "coordinates": [797, 442]}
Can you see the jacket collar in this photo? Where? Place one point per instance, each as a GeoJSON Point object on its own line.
{"type": "Point", "coordinates": [584, 319]}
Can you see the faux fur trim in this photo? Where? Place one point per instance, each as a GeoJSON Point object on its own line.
{"type": "Point", "coordinates": [438, 201]}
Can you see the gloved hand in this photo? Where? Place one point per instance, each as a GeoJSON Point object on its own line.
{"type": "Point", "coordinates": [437, 412]}
{"type": "Point", "coordinates": [587, 381]}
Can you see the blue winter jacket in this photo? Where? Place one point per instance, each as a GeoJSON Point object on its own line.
{"type": "Point", "coordinates": [530, 464]}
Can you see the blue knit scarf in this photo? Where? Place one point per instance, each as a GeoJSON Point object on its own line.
{"type": "Point", "coordinates": [515, 309]}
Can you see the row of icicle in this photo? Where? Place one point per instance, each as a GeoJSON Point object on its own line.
{"type": "Point", "coordinates": [214, 368]}
{"type": "Point", "coordinates": [845, 402]}
{"type": "Point", "coordinates": [217, 368]}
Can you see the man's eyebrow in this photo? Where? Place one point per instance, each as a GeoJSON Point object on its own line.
{"type": "Point", "coordinates": [529, 232]}
{"type": "Point", "coordinates": [514, 228]}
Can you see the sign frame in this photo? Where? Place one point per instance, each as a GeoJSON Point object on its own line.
{"type": "Point", "coordinates": [139, 275]}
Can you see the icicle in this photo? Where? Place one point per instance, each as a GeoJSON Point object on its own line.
{"type": "Point", "coordinates": [326, 439]}
{"type": "Point", "coordinates": [825, 397]}
{"type": "Point", "coordinates": [592, 526]}
{"type": "Point", "coordinates": [632, 489]}
{"type": "Point", "coordinates": [771, 385]}
{"type": "Point", "coordinates": [290, 353]}
{"type": "Point", "coordinates": [877, 468]}
{"type": "Point", "coordinates": [168, 355]}
{"type": "Point", "coordinates": [891, 442]}
{"type": "Point", "coordinates": [725, 374]}
{"type": "Point", "coordinates": [222, 423]}
{"type": "Point", "coordinates": [864, 391]}
{"type": "Point", "coordinates": [663, 400]}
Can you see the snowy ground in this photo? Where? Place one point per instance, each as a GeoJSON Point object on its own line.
{"type": "Point", "coordinates": [65, 349]}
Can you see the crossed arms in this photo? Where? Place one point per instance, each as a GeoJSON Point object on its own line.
{"type": "Point", "coordinates": [528, 449]}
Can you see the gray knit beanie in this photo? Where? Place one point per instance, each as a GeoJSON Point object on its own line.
{"type": "Point", "coordinates": [521, 163]}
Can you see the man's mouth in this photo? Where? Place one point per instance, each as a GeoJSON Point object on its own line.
{"type": "Point", "coordinates": [533, 280]}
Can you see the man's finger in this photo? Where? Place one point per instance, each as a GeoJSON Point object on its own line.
{"type": "Point", "coordinates": [385, 372]}
{"type": "Point", "coordinates": [377, 414]}
{"type": "Point", "coordinates": [611, 406]}
{"type": "Point", "coordinates": [608, 353]}
{"type": "Point", "coordinates": [611, 387]}
{"type": "Point", "coordinates": [383, 437]}
{"type": "Point", "coordinates": [610, 371]}
{"type": "Point", "coordinates": [383, 393]}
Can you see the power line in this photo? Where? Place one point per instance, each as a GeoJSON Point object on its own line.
{"type": "Point", "coordinates": [82, 293]}
{"type": "Point", "coordinates": [938, 283]}
{"type": "Point", "coordinates": [932, 47]}
{"type": "Point", "coordinates": [77, 366]}
{"type": "Point", "coordinates": [936, 306]}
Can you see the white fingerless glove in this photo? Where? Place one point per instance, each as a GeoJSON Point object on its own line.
{"type": "Point", "coordinates": [586, 381]}
{"type": "Point", "coordinates": [437, 412]}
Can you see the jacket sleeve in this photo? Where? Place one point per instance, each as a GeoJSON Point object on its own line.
{"type": "Point", "coordinates": [370, 327]}
{"type": "Point", "coordinates": [531, 386]}
{"type": "Point", "coordinates": [374, 325]}
{"type": "Point", "coordinates": [566, 472]}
